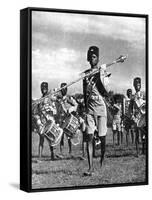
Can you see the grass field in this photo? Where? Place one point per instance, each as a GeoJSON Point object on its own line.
{"type": "Point", "coordinates": [120, 166]}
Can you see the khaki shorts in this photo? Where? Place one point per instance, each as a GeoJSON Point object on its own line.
{"type": "Point", "coordinates": [98, 123]}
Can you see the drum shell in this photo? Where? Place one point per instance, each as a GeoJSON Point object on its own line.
{"type": "Point", "coordinates": [52, 132]}
{"type": "Point", "coordinates": [71, 125]}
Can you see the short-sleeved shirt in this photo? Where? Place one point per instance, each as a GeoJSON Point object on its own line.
{"type": "Point", "coordinates": [95, 90]}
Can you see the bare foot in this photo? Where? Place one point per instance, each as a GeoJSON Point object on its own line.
{"type": "Point", "coordinates": [88, 173]}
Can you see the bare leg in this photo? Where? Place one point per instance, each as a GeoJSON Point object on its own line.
{"type": "Point", "coordinates": [41, 143]}
{"type": "Point", "coordinates": [121, 134]}
{"type": "Point", "coordinates": [94, 146]}
{"type": "Point", "coordinates": [83, 149]}
{"type": "Point", "coordinates": [103, 147]}
{"type": "Point", "coordinates": [118, 137]}
{"type": "Point", "coordinates": [52, 153]}
{"type": "Point", "coordinates": [137, 141]}
{"type": "Point", "coordinates": [143, 144]}
{"type": "Point", "coordinates": [83, 143]}
{"type": "Point", "coordinates": [62, 144]}
{"type": "Point", "coordinates": [95, 138]}
{"type": "Point", "coordinates": [90, 154]}
{"type": "Point", "coordinates": [127, 133]}
{"type": "Point", "coordinates": [143, 135]}
{"type": "Point", "coordinates": [132, 136]}
{"type": "Point", "coordinates": [70, 146]}
{"type": "Point", "coordinates": [114, 132]}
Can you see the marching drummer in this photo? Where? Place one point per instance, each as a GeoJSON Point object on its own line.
{"type": "Point", "coordinates": [96, 113]}
{"type": "Point", "coordinates": [46, 110]}
{"type": "Point", "coordinates": [66, 105]}
{"type": "Point", "coordinates": [81, 117]}
{"type": "Point", "coordinates": [138, 111]}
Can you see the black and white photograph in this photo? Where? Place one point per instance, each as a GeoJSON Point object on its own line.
{"type": "Point", "coordinates": [89, 108]}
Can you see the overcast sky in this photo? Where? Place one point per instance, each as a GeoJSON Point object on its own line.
{"type": "Point", "coordinates": [60, 42]}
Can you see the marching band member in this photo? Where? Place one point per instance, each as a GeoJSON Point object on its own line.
{"type": "Point", "coordinates": [46, 110]}
{"type": "Point", "coordinates": [66, 105]}
{"type": "Point", "coordinates": [129, 126]}
{"type": "Point", "coordinates": [81, 116]}
{"type": "Point", "coordinates": [116, 124]}
{"type": "Point", "coordinates": [137, 104]}
{"type": "Point", "coordinates": [96, 113]}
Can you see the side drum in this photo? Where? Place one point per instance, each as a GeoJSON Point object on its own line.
{"type": "Point", "coordinates": [70, 125]}
{"type": "Point", "coordinates": [52, 132]}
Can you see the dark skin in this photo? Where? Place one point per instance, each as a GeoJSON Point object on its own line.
{"type": "Point", "coordinates": [64, 92]}
{"type": "Point", "coordinates": [116, 132]}
{"type": "Point", "coordinates": [94, 64]}
{"type": "Point", "coordinates": [137, 87]}
{"type": "Point", "coordinates": [129, 95]}
{"type": "Point", "coordinates": [94, 61]}
{"type": "Point", "coordinates": [44, 91]}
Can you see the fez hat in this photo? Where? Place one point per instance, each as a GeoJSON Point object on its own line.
{"type": "Point", "coordinates": [92, 50]}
